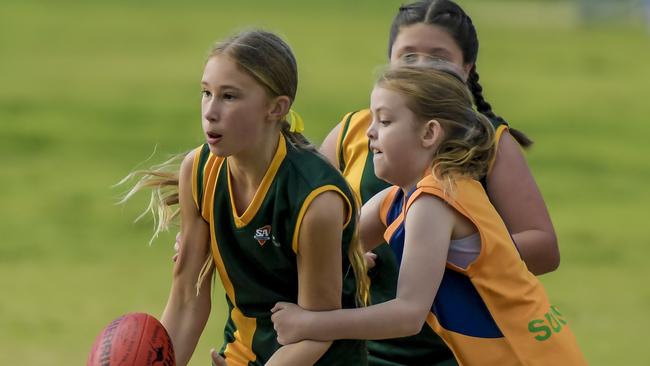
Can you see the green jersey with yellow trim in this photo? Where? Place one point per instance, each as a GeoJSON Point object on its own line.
{"type": "Point", "coordinates": [255, 253]}
{"type": "Point", "coordinates": [355, 163]}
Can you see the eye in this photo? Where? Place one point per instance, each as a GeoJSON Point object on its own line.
{"type": "Point", "coordinates": [410, 58]}
{"type": "Point", "coordinates": [439, 58]}
{"type": "Point", "coordinates": [384, 122]}
{"type": "Point", "coordinates": [228, 96]}
{"type": "Point", "coordinates": [205, 93]}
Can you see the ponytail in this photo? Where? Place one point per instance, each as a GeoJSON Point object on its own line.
{"type": "Point", "coordinates": [297, 139]}
{"type": "Point", "coordinates": [486, 109]}
{"type": "Point", "coordinates": [469, 152]}
{"type": "Point", "coordinates": [162, 180]}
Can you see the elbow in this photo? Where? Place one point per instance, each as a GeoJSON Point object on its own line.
{"type": "Point", "coordinates": [554, 263]}
{"type": "Point", "coordinates": [549, 260]}
{"type": "Point", "coordinates": [410, 316]}
{"type": "Point", "coordinates": [414, 327]}
{"type": "Point", "coordinates": [553, 259]}
{"type": "Point", "coordinates": [412, 323]}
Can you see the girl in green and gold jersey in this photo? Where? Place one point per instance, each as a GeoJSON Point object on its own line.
{"type": "Point", "coordinates": [257, 203]}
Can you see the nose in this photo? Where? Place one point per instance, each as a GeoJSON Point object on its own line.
{"type": "Point", "coordinates": [211, 110]}
{"type": "Point", "coordinates": [371, 132]}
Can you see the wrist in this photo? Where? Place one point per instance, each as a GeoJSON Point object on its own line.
{"type": "Point", "coordinates": [308, 322]}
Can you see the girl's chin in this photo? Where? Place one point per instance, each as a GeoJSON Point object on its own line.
{"type": "Point", "coordinates": [379, 173]}
{"type": "Point", "coordinates": [218, 150]}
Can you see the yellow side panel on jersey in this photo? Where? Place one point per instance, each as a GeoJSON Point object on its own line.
{"type": "Point", "coordinates": [354, 147]}
{"type": "Point", "coordinates": [497, 137]}
{"type": "Point", "coordinates": [240, 352]}
{"type": "Point", "coordinates": [212, 168]}
{"type": "Point", "coordinates": [341, 136]}
{"type": "Point", "coordinates": [195, 168]}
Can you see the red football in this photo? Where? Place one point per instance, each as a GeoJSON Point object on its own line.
{"type": "Point", "coordinates": [134, 339]}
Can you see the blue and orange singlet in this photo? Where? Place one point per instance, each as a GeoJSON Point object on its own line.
{"type": "Point", "coordinates": [494, 312]}
{"type": "Point", "coordinates": [355, 163]}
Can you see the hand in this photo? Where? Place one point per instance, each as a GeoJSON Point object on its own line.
{"type": "Point", "coordinates": [288, 319]}
{"type": "Point", "coordinates": [217, 360]}
{"type": "Point", "coordinates": [370, 259]}
{"type": "Point", "coordinates": [177, 247]}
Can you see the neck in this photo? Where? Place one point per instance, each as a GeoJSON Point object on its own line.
{"type": "Point", "coordinates": [247, 168]}
{"type": "Point", "coordinates": [410, 186]}
{"type": "Point", "coordinates": [415, 175]}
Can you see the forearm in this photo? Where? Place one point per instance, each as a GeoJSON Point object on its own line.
{"type": "Point", "coordinates": [184, 318]}
{"type": "Point", "coordinates": [187, 311]}
{"type": "Point", "coordinates": [392, 319]}
{"type": "Point", "coordinates": [299, 354]}
{"type": "Point", "coordinates": [538, 249]}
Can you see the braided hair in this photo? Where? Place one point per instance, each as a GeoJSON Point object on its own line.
{"type": "Point", "coordinates": [450, 16]}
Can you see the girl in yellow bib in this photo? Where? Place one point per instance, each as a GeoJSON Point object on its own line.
{"type": "Point", "coordinates": [460, 273]}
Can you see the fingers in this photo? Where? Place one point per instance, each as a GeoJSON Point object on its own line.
{"type": "Point", "coordinates": [370, 259]}
{"type": "Point", "coordinates": [177, 244]}
{"type": "Point", "coordinates": [177, 247]}
{"type": "Point", "coordinates": [278, 306]}
{"type": "Point", "coordinates": [217, 360]}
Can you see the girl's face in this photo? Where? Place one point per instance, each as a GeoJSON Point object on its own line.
{"type": "Point", "coordinates": [233, 107]}
{"type": "Point", "coordinates": [395, 136]}
{"type": "Point", "coordinates": [428, 40]}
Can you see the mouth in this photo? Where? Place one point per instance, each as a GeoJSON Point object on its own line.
{"type": "Point", "coordinates": [213, 138]}
{"type": "Point", "coordinates": [375, 150]}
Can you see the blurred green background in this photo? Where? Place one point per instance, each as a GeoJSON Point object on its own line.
{"type": "Point", "coordinates": [88, 88]}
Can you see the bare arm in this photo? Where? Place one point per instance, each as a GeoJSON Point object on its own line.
{"type": "Point", "coordinates": [328, 147]}
{"type": "Point", "coordinates": [371, 228]}
{"type": "Point", "coordinates": [423, 263]}
{"type": "Point", "coordinates": [515, 195]}
{"type": "Point", "coordinates": [186, 312]}
{"type": "Point", "coordinates": [319, 272]}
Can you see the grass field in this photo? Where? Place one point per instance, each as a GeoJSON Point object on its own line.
{"type": "Point", "coordinates": [88, 88]}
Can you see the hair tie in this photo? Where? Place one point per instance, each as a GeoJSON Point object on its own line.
{"type": "Point", "coordinates": [296, 122]}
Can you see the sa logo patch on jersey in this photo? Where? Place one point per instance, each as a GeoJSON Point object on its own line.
{"type": "Point", "coordinates": [263, 234]}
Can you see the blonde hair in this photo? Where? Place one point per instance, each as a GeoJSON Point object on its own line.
{"type": "Point", "coordinates": [467, 147]}
{"type": "Point", "coordinates": [269, 60]}
{"type": "Point", "coordinates": [360, 267]}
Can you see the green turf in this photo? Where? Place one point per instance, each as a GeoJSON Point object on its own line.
{"type": "Point", "coordinates": [88, 89]}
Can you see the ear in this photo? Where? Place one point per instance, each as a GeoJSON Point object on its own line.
{"type": "Point", "coordinates": [432, 134]}
{"type": "Point", "coordinates": [279, 107]}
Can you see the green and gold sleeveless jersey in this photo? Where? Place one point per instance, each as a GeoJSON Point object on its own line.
{"type": "Point", "coordinates": [355, 162]}
{"type": "Point", "coordinates": [255, 253]}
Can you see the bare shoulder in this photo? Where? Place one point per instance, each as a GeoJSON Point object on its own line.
{"type": "Point", "coordinates": [329, 145]}
{"type": "Point", "coordinates": [324, 208]}
{"type": "Point", "coordinates": [428, 204]}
